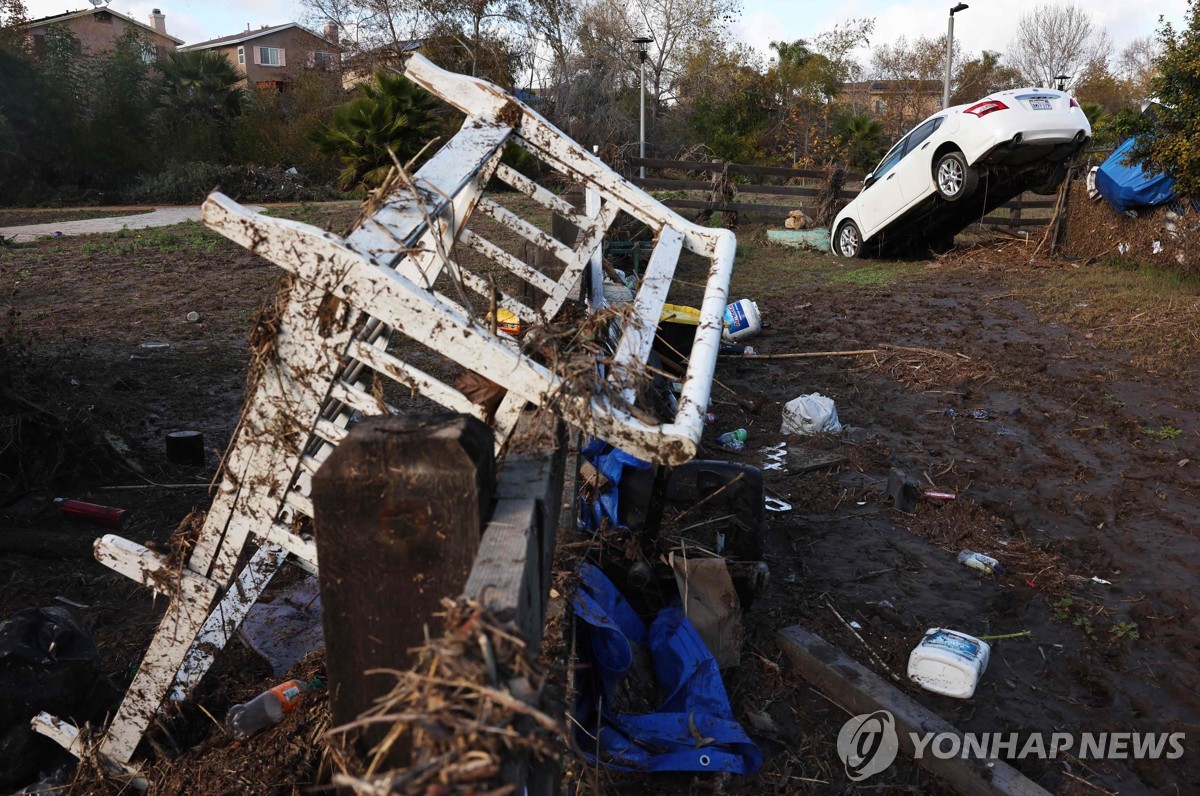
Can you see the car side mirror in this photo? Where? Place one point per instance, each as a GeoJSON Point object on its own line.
{"type": "Point", "coordinates": [868, 181]}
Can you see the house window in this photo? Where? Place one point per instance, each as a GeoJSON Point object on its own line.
{"type": "Point", "coordinates": [322, 60]}
{"type": "Point", "coordinates": [241, 55]}
{"type": "Point", "coordinates": [148, 53]}
{"type": "Point", "coordinates": [268, 56]}
{"type": "Point", "coordinates": [880, 106]}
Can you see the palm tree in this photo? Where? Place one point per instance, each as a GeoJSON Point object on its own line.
{"type": "Point", "coordinates": [391, 113]}
{"type": "Point", "coordinates": [863, 138]}
{"type": "Point", "coordinates": [199, 82]}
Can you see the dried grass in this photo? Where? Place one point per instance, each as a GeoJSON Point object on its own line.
{"type": "Point", "coordinates": [474, 701]}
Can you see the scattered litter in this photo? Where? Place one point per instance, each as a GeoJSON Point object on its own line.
{"type": "Point", "coordinates": [193, 317]}
{"type": "Point", "coordinates": [775, 456]}
{"type": "Point", "coordinates": [108, 516]}
{"type": "Point", "coordinates": [1030, 584]}
{"type": "Point", "coordinates": [733, 440]}
{"type": "Point", "coordinates": [949, 412]}
{"type": "Point", "coordinates": [904, 490]}
{"type": "Point", "coordinates": [711, 604]}
{"type": "Point", "coordinates": [1184, 462]}
{"type": "Point", "coordinates": [860, 502]}
{"type": "Point", "coordinates": [931, 495]}
{"type": "Point", "coordinates": [70, 602]}
{"type": "Point", "coordinates": [286, 629]}
{"type": "Point", "coordinates": [982, 414]}
{"type": "Point", "coordinates": [741, 320]}
{"type": "Point", "coordinates": [775, 504]}
{"type": "Point", "coordinates": [980, 562]}
{"type": "Point", "coordinates": [155, 346]}
{"type": "Point", "coordinates": [810, 414]}
{"type": "Point", "coordinates": [949, 662]}
{"type": "Point", "coordinates": [886, 604]}
{"type": "Point", "coordinates": [185, 447]}
{"type": "Point", "coordinates": [855, 625]}
{"type": "Point", "coordinates": [1005, 431]}
{"type": "Point", "coordinates": [710, 419]}
{"type": "Point", "coordinates": [1101, 581]}
{"type": "Point", "coordinates": [267, 709]}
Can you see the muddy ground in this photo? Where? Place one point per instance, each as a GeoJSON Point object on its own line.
{"type": "Point", "coordinates": [1085, 467]}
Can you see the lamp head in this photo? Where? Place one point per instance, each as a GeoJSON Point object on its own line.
{"type": "Point", "coordinates": [959, 7]}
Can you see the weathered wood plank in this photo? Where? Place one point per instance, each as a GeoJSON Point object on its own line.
{"type": "Point", "coordinates": [860, 690]}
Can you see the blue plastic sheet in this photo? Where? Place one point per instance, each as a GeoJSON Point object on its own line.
{"type": "Point", "coordinates": [693, 729]}
{"type": "Point", "coordinates": [1127, 186]}
{"type": "Point", "coordinates": [611, 463]}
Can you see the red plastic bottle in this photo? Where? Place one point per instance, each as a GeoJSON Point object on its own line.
{"type": "Point", "coordinates": [107, 516]}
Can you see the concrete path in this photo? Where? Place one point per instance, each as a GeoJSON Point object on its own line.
{"type": "Point", "coordinates": [159, 217]}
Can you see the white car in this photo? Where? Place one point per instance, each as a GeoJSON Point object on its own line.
{"type": "Point", "coordinates": [957, 166]}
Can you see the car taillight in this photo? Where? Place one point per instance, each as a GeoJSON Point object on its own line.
{"type": "Point", "coordinates": [1074, 102]}
{"type": "Point", "coordinates": [982, 109]}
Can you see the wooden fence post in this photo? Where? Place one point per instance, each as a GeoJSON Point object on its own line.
{"type": "Point", "coordinates": [399, 509]}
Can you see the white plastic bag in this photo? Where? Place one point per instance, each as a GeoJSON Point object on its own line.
{"type": "Point", "coordinates": [810, 414]}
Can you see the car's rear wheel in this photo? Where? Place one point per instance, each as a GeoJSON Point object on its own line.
{"type": "Point", "coordinates": [954, 178]}
{"type": "Point", "coordinates": [848, 242]}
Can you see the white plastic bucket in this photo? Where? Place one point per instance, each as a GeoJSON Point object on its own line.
{"type": "Point", "coordinates": [741, 320]}
{"type": "Point", "coordinates": [948, 662]}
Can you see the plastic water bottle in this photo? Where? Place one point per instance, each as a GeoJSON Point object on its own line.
{"type": "Point", "coordinates": [979, 561]}
{"type": "Point", "coordinates": [733, 440]}
{"type": "Point", "coordinates": [267, 709]}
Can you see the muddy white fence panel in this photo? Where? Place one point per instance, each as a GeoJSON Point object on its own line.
{"type": "Point", "coordinates": [397, 301]}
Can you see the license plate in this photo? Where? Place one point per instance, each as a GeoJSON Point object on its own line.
{"type": "Point", "coordinates": [1040, 105]}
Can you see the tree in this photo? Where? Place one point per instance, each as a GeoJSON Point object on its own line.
{"type": "Point", "coordinates": [861, 138]}
{"type": "Point", "coordinates": [977, 77]}
{"type": "Point", "coordinates": [390, 116]}
{"type": "Point", "coordinates": [1169, 139]}
{"type": "Point", "coordinates": [1055, 40]}
{"type": "Point", "coordinates": [198, 94]}
{"type": "Point", "coordinates": [914, 72]}
{"type": "Point", "coordinates": [725, 101]}
{"type": "Point", "coordinates": [1138, 63]}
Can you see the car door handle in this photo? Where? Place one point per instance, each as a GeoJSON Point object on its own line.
{"type": "Point", "coordinates": [927, 143]}
{"type": "Point", "coordinates": [891, 175]}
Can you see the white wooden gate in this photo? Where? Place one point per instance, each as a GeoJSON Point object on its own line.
{"type": "Point", "coordinates": [367, 306]}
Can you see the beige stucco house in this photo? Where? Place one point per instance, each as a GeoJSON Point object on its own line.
{"type": "Point", "coordinates": [272, 56]}
{"type": "Point", "coordinates": [97, 28]}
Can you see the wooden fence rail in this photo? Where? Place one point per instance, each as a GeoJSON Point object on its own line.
{"type": "Point", "coordinates": [815, 179]}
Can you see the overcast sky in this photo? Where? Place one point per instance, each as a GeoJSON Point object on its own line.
{"type": "Point", "coordinates": [986, 24]}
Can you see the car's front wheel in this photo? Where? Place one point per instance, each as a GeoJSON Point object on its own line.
{"type": "Point", "coordinates": [848, 242]}
{"type": "Point", "coordinates": [954, 178]}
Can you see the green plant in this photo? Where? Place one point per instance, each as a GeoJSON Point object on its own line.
{"type": "Point", "coordinates": [390, 115]}
{"type": "Point", "coordinates": [1084, 623]}
{"type": "Point", "coordinates": [1062, 609]}
{"type": "Point", "coordinates": [1163, 432]}
{"type": "Point", "coordinates": [1125, 631]}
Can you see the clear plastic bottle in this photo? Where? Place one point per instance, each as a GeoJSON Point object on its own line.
{"type": "Point", "coordinates": [733, 440]}
{"type": "Point", "coordinates": [979, 561]}
{"type": "Point", "coordinates": [265, 710]}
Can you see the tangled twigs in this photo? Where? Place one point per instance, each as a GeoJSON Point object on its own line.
{"type": "Point", "coordinates": [472, 703]}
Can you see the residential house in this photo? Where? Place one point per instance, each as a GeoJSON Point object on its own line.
{"type": "Point", "coordinates": [96, 29]}
{"type": "Point", "coordinates": [272, 56]}
{"type": "Point", "coordinates": [898, 104]}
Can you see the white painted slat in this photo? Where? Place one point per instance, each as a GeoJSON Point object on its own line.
{"type": "Point", "coordinates": [417, 380]}
{"type": "Point", "coordinates": [529, 232]}
{"type": "Point", "coordinates": [648, 304]}
{"type": "Point", "coordinates": [545, 198]}
{"type": "Point", "coordinates": [503, 258]}
{"type": "Point", "coordinates": [590, 239]}
{"type": "Point", "coordinates": [223, 623]}
{"type": "Point", "coordinates": [328, 431]}
{"type": "Point", "coordinates": [359, 399]}
{"type": "Point", "coordinates": [481, 286]}
{"type": "Point", "coordinates": [299, 502]}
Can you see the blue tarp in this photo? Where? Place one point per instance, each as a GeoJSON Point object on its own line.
{"type": "Point", "coordinates": [693, 728]}
{"type": "Point", "coordinates": [611, 463]}
{"type": "Point", "coordinates": [1127, 186]}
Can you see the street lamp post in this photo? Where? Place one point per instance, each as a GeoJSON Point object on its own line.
{"type": "Point", "coordinates": [641, 42]}
{"type": "Point", "coordinates": [1062, 81]}
{"type": "Point", "coordinates": [950, 53]}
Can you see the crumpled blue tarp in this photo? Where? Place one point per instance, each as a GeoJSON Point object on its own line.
{"type": "Point", "coordinates": [1127, 186]}
{"type": "Point", "coordinates": [611, 463]}
{"type": "Point", "coordinates": [694, 728]}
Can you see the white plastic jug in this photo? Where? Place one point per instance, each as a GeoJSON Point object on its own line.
{"type": "Point", "coordinates": [948, 662]}
{"type": "Point", "coordinates": [741, 320]}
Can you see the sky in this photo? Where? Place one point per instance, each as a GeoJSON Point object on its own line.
{"type": "Point", "coordinates": [987, 24]}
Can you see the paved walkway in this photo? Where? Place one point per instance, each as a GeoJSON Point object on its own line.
{"type": "Point", "coordinates": [159, 217]}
